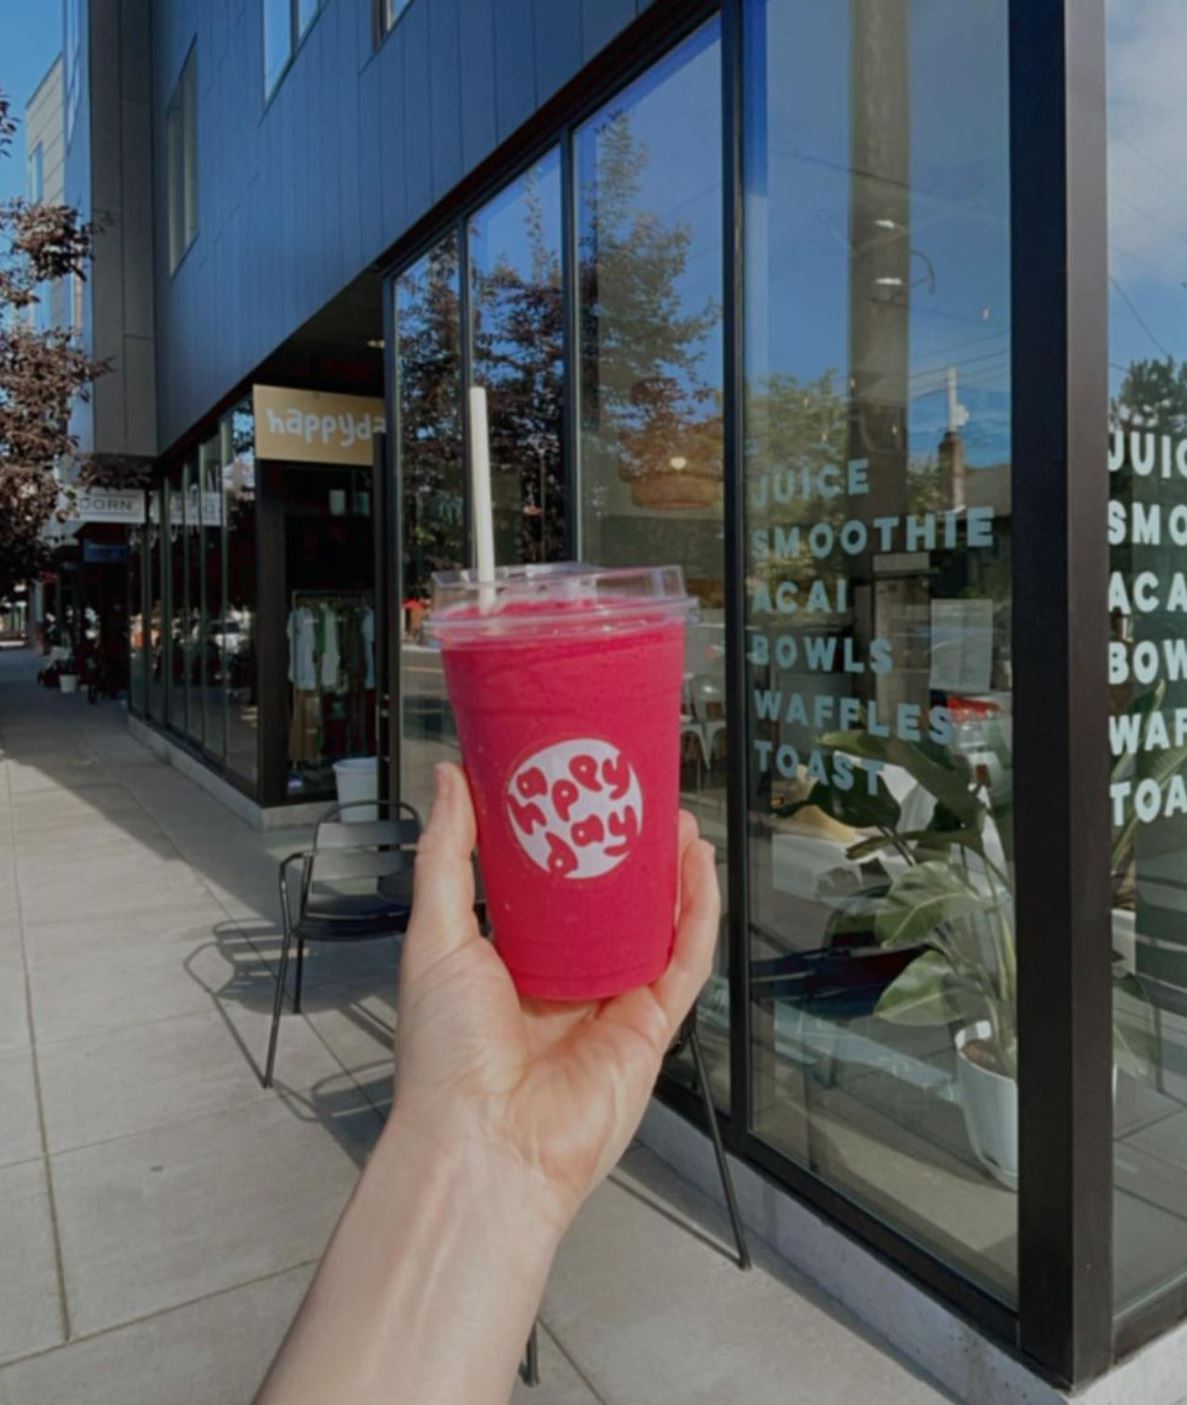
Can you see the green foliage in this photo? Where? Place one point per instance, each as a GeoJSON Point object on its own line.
{"type": "Point", "coordinates": [951, 895]}
{"type": "Point", "coordinates": [924, 899]}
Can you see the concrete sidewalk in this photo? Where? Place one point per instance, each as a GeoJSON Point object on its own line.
{"type": "Point", "coordinates": [160, 1213]}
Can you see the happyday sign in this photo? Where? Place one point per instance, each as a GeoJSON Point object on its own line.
{"type": "Point", "coordinates": [313, 426]}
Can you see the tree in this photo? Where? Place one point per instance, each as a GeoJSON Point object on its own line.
{"type": "Point", "coordinates": [428, 360]}
{"type": "Point", "coordinates": [42, 370]}
{"type": "Point", "coordinates": [644, 399]}
{"type": "Point", "coordinates": [519, 356]}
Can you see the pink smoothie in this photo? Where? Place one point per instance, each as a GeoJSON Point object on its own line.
{"type": "Point", "coordinates": [570, 737]}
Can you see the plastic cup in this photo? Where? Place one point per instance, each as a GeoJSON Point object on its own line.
{"type": "Point", "coordinates": [566, 682]}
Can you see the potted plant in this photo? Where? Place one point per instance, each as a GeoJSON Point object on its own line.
{"type": "Point", "coordinates": [945, 891]}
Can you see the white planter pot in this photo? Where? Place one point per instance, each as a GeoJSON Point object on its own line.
{"type": "Point", "coordinates": [68, 682]}
{"type": "Point", "coordinates": [990, 1104]}
{"type": "Point", "coordinates": [357, 778]}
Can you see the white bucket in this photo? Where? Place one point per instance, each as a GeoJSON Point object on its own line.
{"type": "Point", "coordinates": [68, 682]}
{"type": "Point", "coordinates": [357, 778]}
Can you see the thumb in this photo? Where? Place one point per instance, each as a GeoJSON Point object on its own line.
{"type": "Point", "coordinates": [443, 885]}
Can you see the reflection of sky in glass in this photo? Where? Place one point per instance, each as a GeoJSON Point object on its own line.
{"type": "Point", "coordinates": [499, 232]}
{"type": "Point", "coordinates": [671, 121]}
{"type": "Point", "coordinates": [500, 236]}
{"type": "Point", "coordinates": [1147, 42]}
{"type": "Point", "coordinates": [798, 187]}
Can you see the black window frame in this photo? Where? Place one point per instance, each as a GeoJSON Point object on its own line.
{"type": "Point", "coordinates": [172, 513]}
{"type": "Point", "coordinates": [1063, 1326]}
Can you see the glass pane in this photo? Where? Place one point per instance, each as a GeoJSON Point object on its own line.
{"type": "Point", "coordinates": [877, 474]}
{"type": "Point", "coordinates": [392, 10]}
{"type": "Point", "coordinates": [177, 613]}
{"type": "Point", "coordinates": [214, 636]}
{"type": "Point", "coordinates": [155, 641]}
{"type": "Point", "coordinates": [518, 313]}
{"type": "Point", "coordinates": [137, 689]}
{"type": "Point", "coordinates": [649, 181]}
{"type": "Point", "coordinates": [329, 586]}
{"type": "Point", "coordinates": [174, 188]}
{"type": "Point", "coordinates": [278, 40]}
{"type": "Point", "coordinates": [189, 97]}
{"type": "Point", "coordinates": [192, 617]}
{"type": "Point", "coordinates": [1147, 598]}
{"type": "Point", "coordinates": [238, 643]}
{"type": "Point", "coordinates": [428, 387]}
{"type": "Point", "coordinates": [306, 12]}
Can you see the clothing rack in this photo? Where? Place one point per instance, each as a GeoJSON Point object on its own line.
{"type": "Point", "coordinates": [308, 723]}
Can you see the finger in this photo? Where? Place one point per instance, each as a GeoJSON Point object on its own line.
{"type": "Point", "coordinates": [696, 934]}
{"type": "Point", "coordinates": [686, 833]}
{"type": "Point", "coordinates": [443, 884]}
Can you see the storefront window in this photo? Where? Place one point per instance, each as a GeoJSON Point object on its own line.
{"type": "Point", "coordinates": [428, 391]}
{"type": "Point", "coordinates": [155, 606]}
{"type": "Point", "coordinates": [329, 584]}
{"type": "Point", "coordinates": [518, 330]}
{"type": "Point", "coordinates": [649, 181]}
{"type": "Point", "coordinates": [213, 640]}
{"type": "Point", "coordinates": [176, 613]}
{"type": "Point", "coordinates": [137, 640]}
{"type": "Point", "coordinates": [877, 476]}
{"type": "Point", "coordinates": [1147, 531]}
{"type": "Point", "coordinates": [187, 665]}
{"type": "Point", "coordinates": [237, 645]}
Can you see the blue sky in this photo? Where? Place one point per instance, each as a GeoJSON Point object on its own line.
{"type": "Point", "coordinates": [30, 37]}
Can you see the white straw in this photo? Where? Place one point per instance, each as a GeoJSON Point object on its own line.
{"type": "Point", "coordinates": [482, 512]}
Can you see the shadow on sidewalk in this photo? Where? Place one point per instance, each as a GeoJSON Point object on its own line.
{"type": "Point", "coordinates": [77, 778]}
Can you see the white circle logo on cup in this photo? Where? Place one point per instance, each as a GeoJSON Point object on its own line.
{"type": "Point", "coordinates": [576, 808]}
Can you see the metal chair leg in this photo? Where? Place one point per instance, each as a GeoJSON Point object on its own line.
{"type": "Point", "coordinates": [727, 1180]}
{"type": "Point", "coordinates": [300, 974]}
{"type": "Point", "coordinates": [277, 1006]}
{"type": "Point", "coordinates": [529, 1370]}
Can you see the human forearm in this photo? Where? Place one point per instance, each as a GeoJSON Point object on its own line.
{"type": "Point", "coordinates": [428, 1289]}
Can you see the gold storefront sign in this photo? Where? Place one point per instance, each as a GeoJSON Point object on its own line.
{"type": "Point", "coordinates": [312, 426]}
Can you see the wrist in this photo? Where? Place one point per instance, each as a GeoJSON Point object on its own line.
{"type": "Point", "coordinates": [470, 1177]}
{"type": "Point", "coordinates": [430, 1284]}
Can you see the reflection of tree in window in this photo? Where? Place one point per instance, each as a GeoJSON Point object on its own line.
{"type": "Point", "coordinates": [518, 356]}
{"type": "Point", "coordinates": [429, 367]}
{"type": "Point", "coordinates": [645, 400]}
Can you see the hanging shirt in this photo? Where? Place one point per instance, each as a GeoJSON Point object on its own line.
{"type": "Point", "coordinates": [330, 658]}
{"type": "Point", "coordinates": [369, 645]}
{"type": "Point", "coordinates": [302, 673]}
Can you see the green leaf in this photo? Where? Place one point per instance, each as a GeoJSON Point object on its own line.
{"type": "Point", "coordinates": [927, 993]}
{"type": "Point", "coordinates": [923, 897]}
{"type": "Point", "coordinates": [933, 840]}
{"type": "Point", "coordinates": [945, 775]}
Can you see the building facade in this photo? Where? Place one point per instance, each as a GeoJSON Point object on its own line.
{"type": "Point", "coordinates": [45, 167]}
{"type": "Point", "coordinates": [865, 314]}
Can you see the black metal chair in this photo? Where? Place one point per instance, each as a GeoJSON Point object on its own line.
{"type": "Point", "coordinates": [375, 857]}
{"type": "Point", "coordinates": [686, 1038]}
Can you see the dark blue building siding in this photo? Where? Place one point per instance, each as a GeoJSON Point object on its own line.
{"type": "Point", "coordinates": [297, 197]}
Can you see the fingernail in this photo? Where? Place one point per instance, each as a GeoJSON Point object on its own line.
{"type": "Point", "coordinates": [440, 780]}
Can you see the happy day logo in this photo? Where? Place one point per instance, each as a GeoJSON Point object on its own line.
{"type": "Point", "coordinates": [576, 808]}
